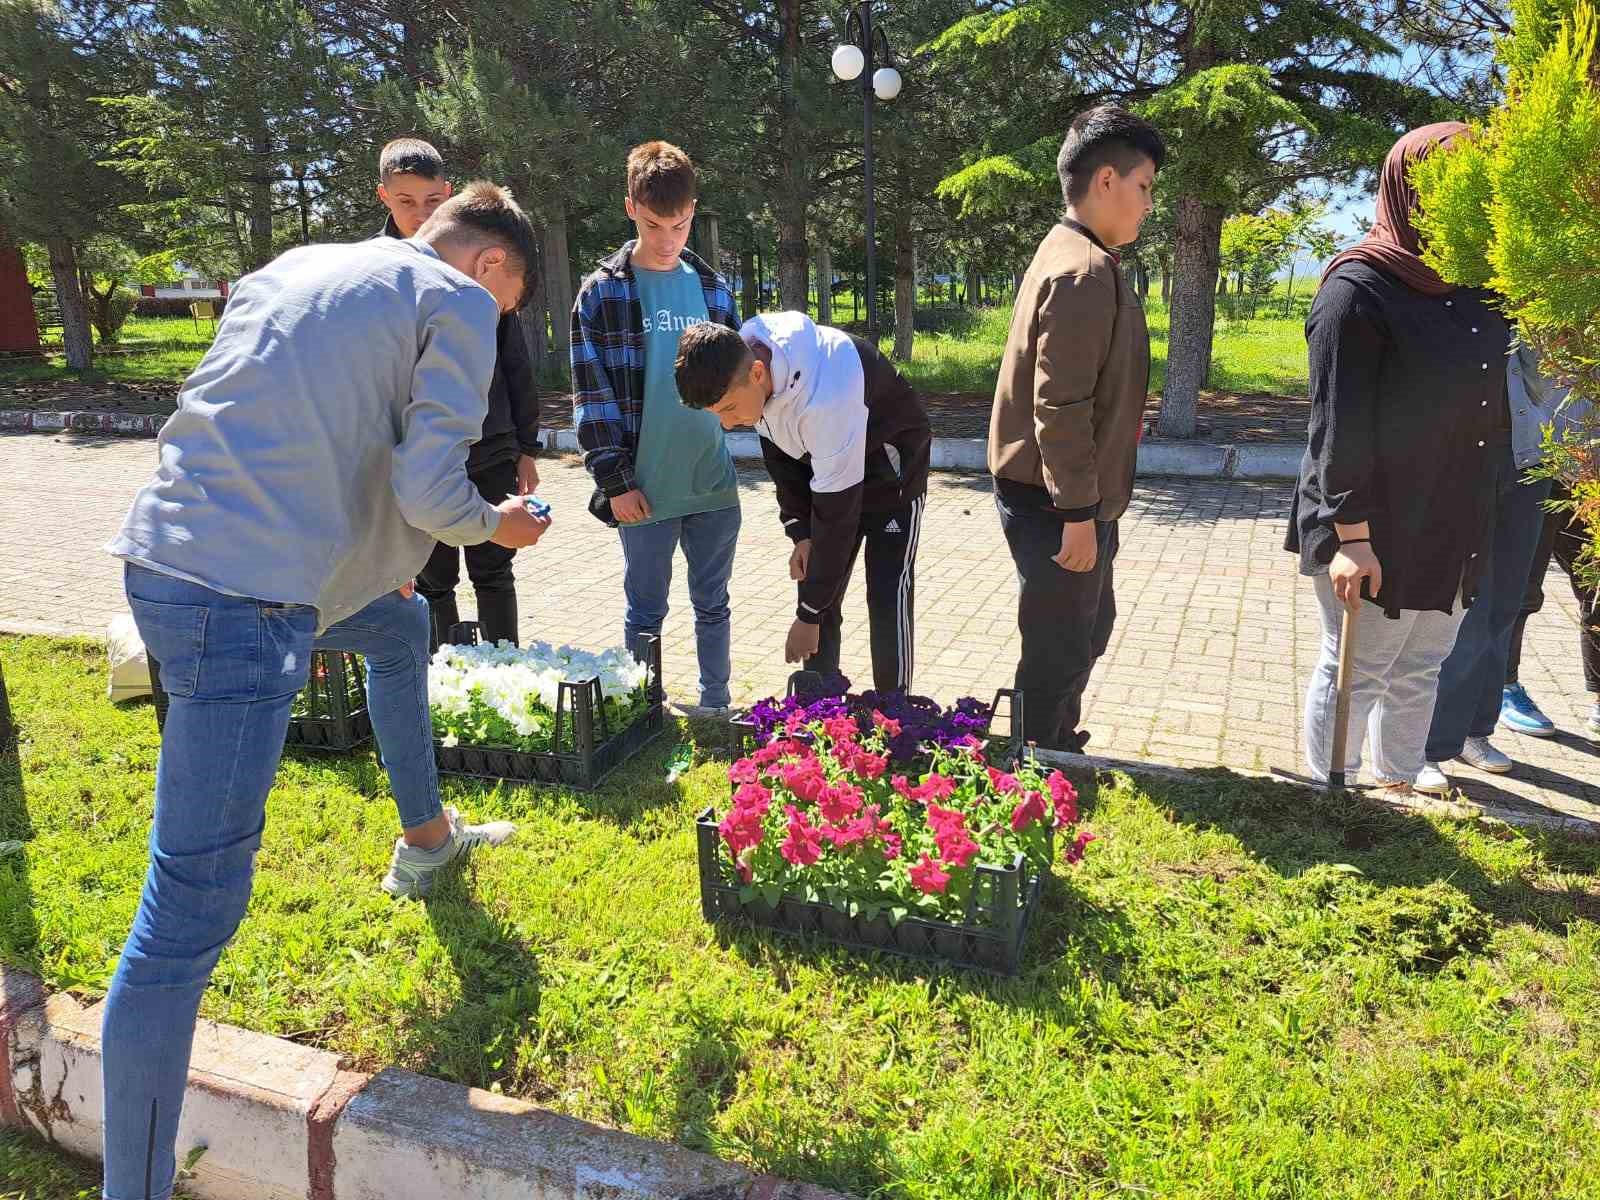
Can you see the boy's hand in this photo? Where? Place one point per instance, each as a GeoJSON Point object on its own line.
{"type": "Point", "coordinates": [630, 507]}
{"type": "Point", "coordinates": [1078, 547]}
{"type": "Point", "coordinates": [527, 475]}
{"type": "Point", "coordinates": [800, 560]}
{"type": "Point", "coordinates": [802, 641]}
{"type": "Point", "coordinates": [518, 528]}
{"type": "Point", "coordinates": [408, 590]}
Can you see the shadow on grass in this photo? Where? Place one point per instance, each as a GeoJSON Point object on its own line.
{"type": "Point", "coordinates": [704, 1078]}
{"type": "Point", "coordinates": [19, 929]}
{"type": "Point", "coordinates": [1292, 829]}
{"type": "Point", "coordinates": [475, 1042]}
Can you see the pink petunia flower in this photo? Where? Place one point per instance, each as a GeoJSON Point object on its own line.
{"type": "Point", "coordinates": [1065, 797]}
{"type": "Point", "coordinates": [1030, 810]}
{"type": "Point", "coordinates": [927, 878]}
{"type": "Point", "coordinates": [1005, 784]}
{"type": "Point", "coordinates": [746, 770]}
{"type": "Point", "coordinates": [1074, 852]}
{"type": "Point", "coordinates": [888, 724]}
{"type": "Point", "coordinates": [803, 846]}
{"type": "Point", "coordinates": [840, 801]}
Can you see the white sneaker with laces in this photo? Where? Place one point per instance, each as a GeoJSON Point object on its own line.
{"type": "Point", "coordinates": [1480, 752]}
{"type": "Point", "coordinates": [412, 870]}
{"type": "Point", "coordinates": [1432, 780]}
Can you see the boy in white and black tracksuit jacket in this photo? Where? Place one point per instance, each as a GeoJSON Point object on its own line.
{"type": "Point", "coordinates": [846, 440]}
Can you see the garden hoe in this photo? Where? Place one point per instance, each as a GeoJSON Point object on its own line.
{"type": "Point", "coordinates": [1335, 784]}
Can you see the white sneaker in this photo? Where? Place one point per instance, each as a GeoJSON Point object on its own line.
{"type": "Point", "coordinates": [412, 871]}
{"type": "Point", "coordinates": [1432, 780]}
{"type": "Point", "coordinates": [704, 712]}
{"type": "Point", "coordinates": [1479, 752]}
{"type": "Point", "coordinates": [1593, 723]}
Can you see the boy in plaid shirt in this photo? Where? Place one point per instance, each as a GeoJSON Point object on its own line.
{"type": "Point", "coordinates": [663, 475]}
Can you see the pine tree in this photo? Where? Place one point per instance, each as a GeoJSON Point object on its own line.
{"type": "Point", "coordinates": [55, 58]}
{"type": "Point", "coordinates": [1255, 97]}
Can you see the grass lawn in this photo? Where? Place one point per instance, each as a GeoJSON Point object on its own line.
{"type": "Point", "coordinates": [32, 1170]}
{"type": "Point", "coordinates": [1266, 354]}
{"type": "Point", "coordinates": [1245, 991]}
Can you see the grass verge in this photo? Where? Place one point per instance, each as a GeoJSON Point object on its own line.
{"type": "Point", "coordinates": [1245, 991]}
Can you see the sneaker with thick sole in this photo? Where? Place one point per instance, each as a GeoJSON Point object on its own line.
{"type": "Point", "coordinates": [1520, 714]}
{"type": "Point", "coordinates": [1480, 752]}
{"type": "Point", "coordinates": [412, 871]}
{"type": "Point", "coordinates": [703, 712]}
{"type": "Point", "coordinates": [1593, 723]}
{"type": "Point", "coordinates": [1431, 780]}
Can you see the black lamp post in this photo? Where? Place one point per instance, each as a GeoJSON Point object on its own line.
{"type": "Point", "coordinates": [865, 55]}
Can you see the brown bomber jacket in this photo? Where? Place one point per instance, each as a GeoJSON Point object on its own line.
{"type": "Point", "coordinates": [1071, 394]}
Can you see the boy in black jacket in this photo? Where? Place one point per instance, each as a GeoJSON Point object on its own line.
{"type": "Point", "coordinates": [846, 441]}
{"type": "Point", "coordinates": [501, 462]}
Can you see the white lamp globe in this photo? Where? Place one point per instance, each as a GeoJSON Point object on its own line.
{"type": "Point", "coordinates": [849, 62]}
{"type": "Point", "coordinates": [886, 83]}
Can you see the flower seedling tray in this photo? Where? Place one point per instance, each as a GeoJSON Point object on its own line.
{"type": "Point", "coordinates": [587, 749]}
{"type": "Point", "coordinates": [989, 938]}
{"type": "Point", "coordinates": [331, 711]}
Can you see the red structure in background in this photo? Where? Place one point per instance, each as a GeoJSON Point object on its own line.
{"type": "Point", "coordinates": [19, 327]}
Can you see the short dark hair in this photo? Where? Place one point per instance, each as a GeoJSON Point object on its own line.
{"type": "Point", "coordinates": [410, 156]}
{"type": "Point", "coordinates": [661, 177]}
{"type": "Point", "coordinates": [485, 212]}
{"type": "Point", "coordinates": [711, 358]}
{"type": "Point", "coordinates": [1104, 136]}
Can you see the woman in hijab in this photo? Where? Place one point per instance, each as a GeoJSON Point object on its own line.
{"type": "Point", "coordinates": [1392, 511]}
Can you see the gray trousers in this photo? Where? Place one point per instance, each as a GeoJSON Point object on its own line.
{"type": "Point", "coordinates": [1394, 683]}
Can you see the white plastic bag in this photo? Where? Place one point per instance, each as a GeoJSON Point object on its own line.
{"type": "Point", "coordinates": [130, 669]}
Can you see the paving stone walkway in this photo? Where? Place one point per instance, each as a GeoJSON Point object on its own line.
{"type": "Point", "coordinates": [1215, 638]}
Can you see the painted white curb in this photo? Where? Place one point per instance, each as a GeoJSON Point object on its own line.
{"type": "Point", "coordinates": [280, 1121]}
{"type": "Point", "coordinates": [1266, 460]}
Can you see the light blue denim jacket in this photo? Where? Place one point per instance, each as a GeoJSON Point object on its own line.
{"type": "Point", "coordinates": [319, 449]}
{"type": "Point", "coordinates": [1535, 403]}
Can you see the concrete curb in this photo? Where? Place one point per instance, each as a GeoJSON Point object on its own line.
{"type": "Point", "coordinates": [281, 1121]}
{"type": "Point", "coordinates": [1424, 805]}
{"type": "Point", "coordinates": [1192, 460]}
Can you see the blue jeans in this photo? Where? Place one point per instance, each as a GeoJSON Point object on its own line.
{"type": "Point", "coordinates": [231, 667]}
{"type": "Point", "coordinates": [1475, 670]}
{"type": "Point", "coordinates": [709, 539]}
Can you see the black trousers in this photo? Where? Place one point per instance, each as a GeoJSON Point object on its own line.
{"type": "Point", "coordinates": [1065, 618]}
{"type": "Point", "coordinates": [891, 541]}
{"type": "Point", "coordinates": [488, 567]}
{"type": "Point", "coordinates": [1563, 539]}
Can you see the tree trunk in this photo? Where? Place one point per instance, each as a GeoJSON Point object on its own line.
{"type": "Point", "coordinates": [905, 289]}
{"type": "Point", "coordinates": [974, 286]}
{"type": "Point", "coordinates": [304, 202]}
{"type": "Point", "coordinates": [1194, 310]}
{"type": "Point", "coordinates": [261, 202]}
{"type": "Point", "coordinates": [824, 282]}
{"type": "Point", "coordinates": [1166, 282]}
{"type": "Point", "coordinates": [558, 279]}
{"type": "Point", "coordinates": [794, 189]}
{"type": "Point", "coordinates": [747, 279]}
{"type": "Point", "coordinates": [74, 310]}
{"type": "Point", "coordinates": [532, 318]}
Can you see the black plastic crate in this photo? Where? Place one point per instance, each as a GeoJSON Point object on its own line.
{"type": "Point", "coordinates": [988, 938]}
{"type": "Point", "coordinates": [334, 703]}
{"type": "Point", "coordinates": [586, 748]}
